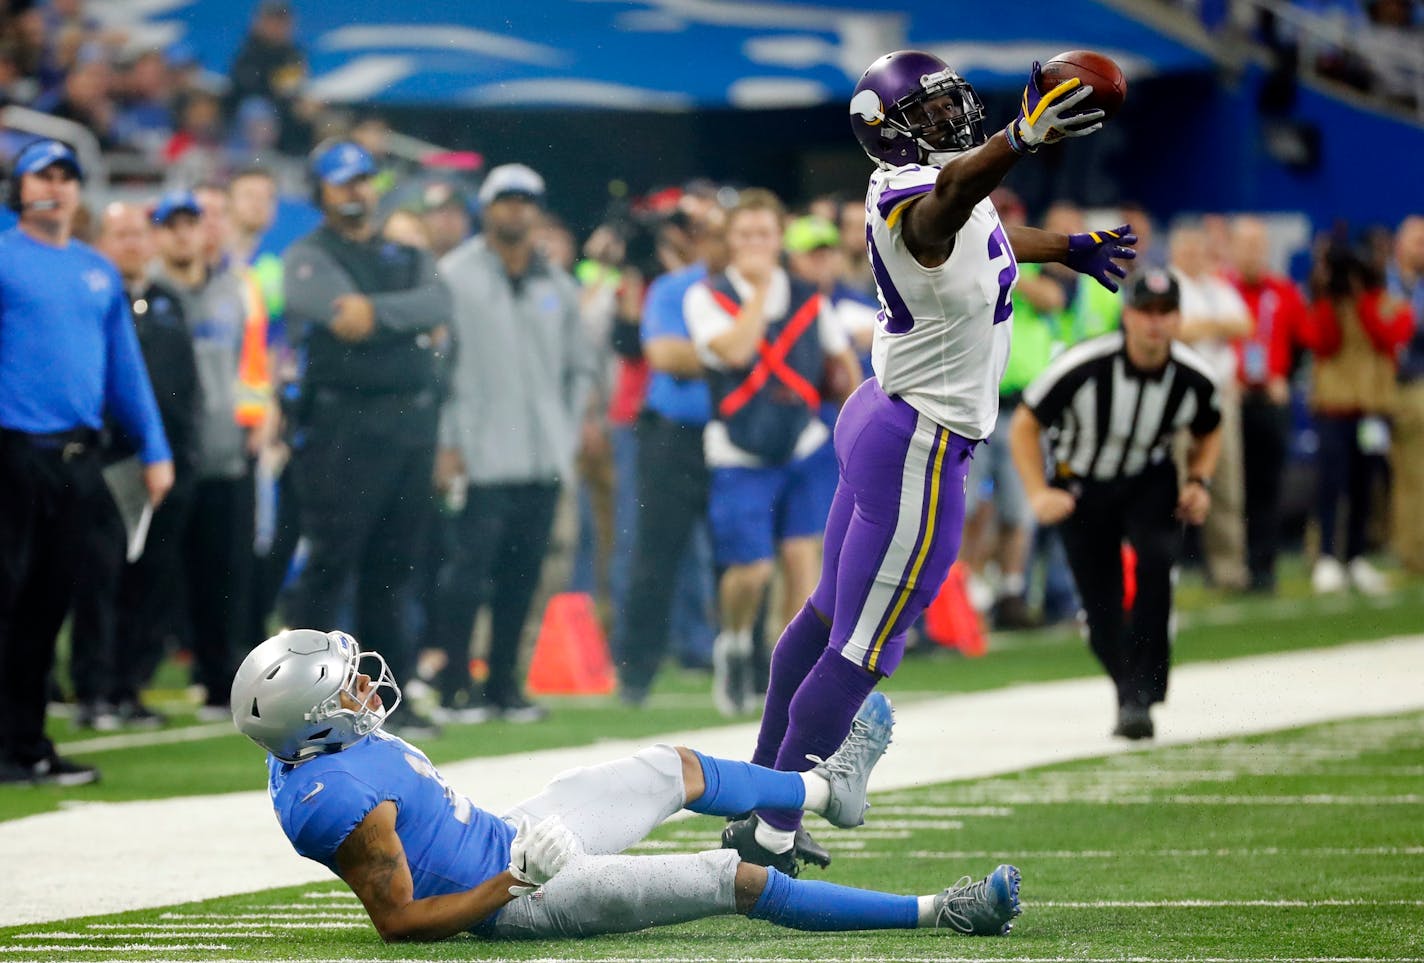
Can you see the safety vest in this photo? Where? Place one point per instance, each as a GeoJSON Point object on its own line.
{"type": "Point", "coordinates": [254, 379]}
{"type": "Point", "coordinates": [767, 405]}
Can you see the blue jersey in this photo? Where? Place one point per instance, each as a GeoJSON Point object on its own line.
{"type": "Point", "coordinates": [684, 400]}
{"type": "Point", "coordinates": [68, 350]}
{"type": "Point", "coordinates": [450, 843]}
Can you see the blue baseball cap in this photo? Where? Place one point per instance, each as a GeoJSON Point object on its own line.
{"type": "Point", "coordinates": [343, 162]}
{"type": "Point", "coordinates": [176, 202]}
{"type": "Point", "coordinates": [39, 154]}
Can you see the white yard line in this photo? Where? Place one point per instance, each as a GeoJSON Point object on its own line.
{"type": "Point", "coordinates": [133, 740]}
{"type": "Point", "coordinates": [879, 958]}
{"type": "Point", "coordinates": [161, 852]}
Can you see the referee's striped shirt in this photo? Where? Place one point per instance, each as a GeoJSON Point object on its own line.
{"type": "Point", "coordinates": [1108, 420]}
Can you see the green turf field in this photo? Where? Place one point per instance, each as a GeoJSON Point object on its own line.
{"type": "Point", "coordinates": [1304, 845]}
{"type": "Point", "coordinates": [219, 760]}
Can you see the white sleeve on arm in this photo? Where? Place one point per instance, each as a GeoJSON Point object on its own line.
{"type": "Point", "coordinates": [705, 321]}
{"type": "Point", "coordinates": [834, 338]}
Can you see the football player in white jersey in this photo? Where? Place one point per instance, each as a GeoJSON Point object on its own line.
{"type": "Point", "coordinates": [944, 267]}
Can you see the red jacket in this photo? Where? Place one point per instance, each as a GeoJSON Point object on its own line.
{"type": "Point", "coordinates": [1280, 322]}
{"type": "Point", "coordinates": [1388, 332]}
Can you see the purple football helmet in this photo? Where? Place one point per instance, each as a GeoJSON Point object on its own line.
{"type": "Point", "coordinates": [909, 106]}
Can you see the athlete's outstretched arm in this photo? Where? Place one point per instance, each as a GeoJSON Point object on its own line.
{"type": "Point", "coordinates": [1094, 253]}
{"type": "Point", "coordinates": [372, 862]}
{"type": "Point", "coordinates": [933, 220]}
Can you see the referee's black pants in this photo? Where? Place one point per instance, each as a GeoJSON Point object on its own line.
{"type": "Point", "coordinates": [48, 486]}
{"type": "Point", "coordinates": [672, 496]}
{"type": "Point", "coordinates": [1265, 428]}
{"type": "Point", "coordinates": [1133, 647]}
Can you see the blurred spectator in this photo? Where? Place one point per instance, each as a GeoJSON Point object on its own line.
{"type": "Point", "coordinates": [16, 86]}
{"type": "Point", "coordinates": [1091, 308]}
{"type": "Point", "coordinates": [215, 223]}
{"type": "Point", "coordinates": [671, 566]}
{"type": "Point", "coordinates": [999, 525]}
{"type": "Point", "coordinates": [1356, 332]}
{"type": "Point", "coordinates": [149, 593]}
{"type": "Point", "coordinates": [610, 296]}
{"type": "Point", "coordinates": [144, 117]}
{"type": "Point", "coordinates": [556, 242]}
{"type": "Point", "coordinates": [85, 98]}
{"type": "Point", "coordinates": [851, 224]}
{"type": "Point", "coordinates": [508, 432]}
{"type": "Point", "coordinates": [1279, 322]}
{"type": "Point", "coordinates": [1389, 43]}
{"type": "Point", "coordinates": [373, 133]}
{"type": "Point", "coordinates": [1150, 254]}
{"type": "Point", "coordinates": [1214, 317]}
{"type": "Point", "coordinates": [250, 205]}
{"type": "Point", "coordinates": [194, 153]}
{"type": "Point", "coordinates": [362, 309]}
{"type": "Point", "coordinates": [766, 341]}
{"type": "Point", "coordinates": [270, 65]}
{"type": "Point", "coordinates": [229, 330]}
{"type": "Point", "coordinates": [408, 228]}
{"type": "Point", "coordinates": [814, 254]}
{"type": "Point", "coordinates": [446, 213]}
{"type": "Point", "coordinates": [26, 32]}
{"type": "Point", "coordinates": [255, 130]}
{"type": "Point", "coordinates": [69, 357]}
{"type": "Point", "coordinates": [252, 209]}
{"type": "Point", "coordinates": [1404, 279]}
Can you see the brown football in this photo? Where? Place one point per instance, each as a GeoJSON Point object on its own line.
{"type": "Point", "coordinates": [1094, 70]}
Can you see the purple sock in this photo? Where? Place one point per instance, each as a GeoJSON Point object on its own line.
{"type": "Point", "coordinates": [819, 720]}
{"type": "Point", "coordinates": [796, 652]}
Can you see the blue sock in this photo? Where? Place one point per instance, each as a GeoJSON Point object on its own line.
{"type": "Point", "coordinates": [805, 904]}
{"type": "Point", "coordinates": [735, 787]}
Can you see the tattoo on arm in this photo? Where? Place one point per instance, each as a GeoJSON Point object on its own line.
{"type": "Point", "coordinates": [372, 862]}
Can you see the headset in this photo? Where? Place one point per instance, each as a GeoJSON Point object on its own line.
{"type": "Point", "coordinates": [12, 189]}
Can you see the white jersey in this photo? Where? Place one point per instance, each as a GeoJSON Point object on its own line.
{"type": "Point", "coordinates": [942, 338]}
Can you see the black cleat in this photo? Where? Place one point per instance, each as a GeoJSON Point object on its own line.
{"type": "Point", "coordinates": [809, 851]}
{"type": "Point", "coordinates": [741, 836]}
{"type": "Point", "coordinates": [1134, 722]}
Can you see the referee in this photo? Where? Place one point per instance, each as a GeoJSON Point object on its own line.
{"type": "Point", "coordinates": [1112, 406]}
{"type": "Point", "coordinates": [68, 357]}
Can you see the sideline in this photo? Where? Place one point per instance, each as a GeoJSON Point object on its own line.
{"type": "Point", "coordinates": [97, 858]}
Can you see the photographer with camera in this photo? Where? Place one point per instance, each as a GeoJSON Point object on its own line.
{"type": "Point", "coordinates": [1356, 333]}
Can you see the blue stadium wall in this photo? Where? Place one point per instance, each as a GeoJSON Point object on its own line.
{"type": "Point", "coordinates": [1181, 144]}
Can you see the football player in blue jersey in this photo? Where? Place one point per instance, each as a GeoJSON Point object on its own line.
{"type": "Point", "coordinates": [427, 863]}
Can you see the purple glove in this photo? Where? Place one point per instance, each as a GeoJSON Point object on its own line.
{"type": "Point", "coordinates": [1096, 254]}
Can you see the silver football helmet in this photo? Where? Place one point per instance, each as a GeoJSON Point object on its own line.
{"type": "Point", "coordinates": [286, 696]}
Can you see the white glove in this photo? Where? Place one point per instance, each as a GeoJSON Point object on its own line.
{"type": "Point", "coordinates": [1041, 117]}
{"type": "Point", "coordinates": [539, 852]}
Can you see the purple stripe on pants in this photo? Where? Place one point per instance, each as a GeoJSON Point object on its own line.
{"type": "Point", "coordinates": [892, 533]}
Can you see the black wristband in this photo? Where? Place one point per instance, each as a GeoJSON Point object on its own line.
{"type": "Point", "coordinates": [1205, 483]}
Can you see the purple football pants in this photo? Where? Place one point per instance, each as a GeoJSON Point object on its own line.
{"type": "Point", "coordinates": [892, 534]}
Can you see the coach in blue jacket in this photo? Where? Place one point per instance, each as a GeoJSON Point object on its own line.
{"type": "Point", "coordinates": [68, 357]}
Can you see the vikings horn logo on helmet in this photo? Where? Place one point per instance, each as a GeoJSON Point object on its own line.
{"type": "Point", "coordinates": [866, 105]}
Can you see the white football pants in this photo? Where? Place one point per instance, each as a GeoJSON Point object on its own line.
{"type": "Point", "coordinates": [609, 808]}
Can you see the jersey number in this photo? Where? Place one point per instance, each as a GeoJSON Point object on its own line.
{"type": "Point", "coordinates": [998, 247]}
{"type": "Point", "coordinates": [459, 803]}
